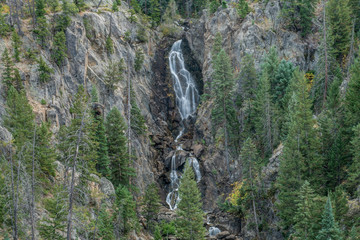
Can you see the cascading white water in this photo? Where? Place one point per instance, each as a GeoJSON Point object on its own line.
{"type": "Point", "coordinates": [213, 231]}
{"type": "Point", "coordinates": [187, 99]}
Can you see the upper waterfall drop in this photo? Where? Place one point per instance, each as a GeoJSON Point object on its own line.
{"type": "Point", "coordinates": [187, 99]}
{"type": "Point", "coordinates": [187, 96]}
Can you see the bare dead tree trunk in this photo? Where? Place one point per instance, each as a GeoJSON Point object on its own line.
{"type": "Point", "coordinates": [129, 107]}
{"type": "Point", "coordinates": [99, 4]}
{"type": "Point", "coordinates": [18, 22]}
{"type": "Point", "coordinates": [72, 184]}
{"type": "Point", "coordinates": [326, 56]}
{"type": "Point", "coordinates": [31, 11]}
{"type": "Point", "coordinates": [11, 10]}
{"type": "Point", "coordinates": [253, 203]}
{"type": "Point", "coordinates": [32, 209]}
{"type": "Point", "coordinates": [14, 216]}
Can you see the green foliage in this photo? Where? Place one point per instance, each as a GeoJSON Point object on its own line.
{"type": "Point", "coordinates": [94, 95]}
{"type": "Point", "coordinates": [59, 48]}
{"type": "Point", "coordinates": [329, 227]}
{"type": "Point", "coordinates": [307, 215]}
{"type": "Point", "coordinates": [298, 14]}
{"type": "Point", "coordinates": [283, 76]}
{"type": "Point", "coordinates": [53, 4]}
{"type": "Point", "coordinates": [352, 102]}
{"type": "Point", "coordinates": [214, 5]}
{"type": "Point", "coordinates": [44, 71]}
{"type": "Point", "coordinates": [300, 158]}
{"type": "Point", "coordinates": [243, 8]}
{"type": "Point", "coordinates": [157, 233]}
{"type": "Point", "coordinates": [106, 229]}
{"type": "Point", "coordinates": [64, 19]}
{"type": "Point", "coordinates": [44, 153]}
{"type": "Point", "coordinates": [16, 44]}
{"type": "Point", "coordinates": [132, 17]}
{"type": "Point", "coordinates": [80, 4]}
{"type": "Point", "coordinates": [51, 227]}
{"type": "Point", "coordinates": [117, 148]}
{"type": "Point", "coordinates": [114, 73]}
{"type": "Point", "coordinates": [141, 34]}
{"type": "Point", "coordinates": [168, 228]}
{"type": "Point", "coordinates": [109, 45]}
{"type": "Point", "coordinates": [139, 60]}
{"type": "Point", "coordinates": [125, 211]}
{"type": "Point", "coordinates": [155, 12]}
{"type": "Point", "coordinates": [151, 206]}
{"type": "Point", "coordinates": [340, 203]}
{"type": "Point", "coordinates": [40, 8]}
{"type": "Point", "coordinates": [4, 27]}
{"type": "Point", "coordinates": [43, 102]}
{"type": "Point", "coordinates": [102, 161]}
{"type": "Point", "coordinates": [115, 7]}
{"type": "Point", "coordinates": [340, 26]}
{"type": "Point", "coordinates": [20, 117]}
{"type": "Point", "coordinates": [354, 174]}
{"type": "Point", "coordinates": [42, 31]}
{"type": "Point", "coordinates": [137, 119]}
{"type": "Point", "coordinates": [190, 215]}
{"type": "Point", "coordinates": [8, 72]}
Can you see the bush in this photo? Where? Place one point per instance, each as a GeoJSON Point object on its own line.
{"type": "Point", "coordinates": [139, 60]}
{"type": "Point", "coordinates": [109, 45]}
{"type": "Point", "coordinates": [141, 34]}
{"type": "Point", "coordinates": [43, 102]}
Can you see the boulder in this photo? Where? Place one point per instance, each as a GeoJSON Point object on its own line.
{"type": "Point", "coordinates": [222, 235]}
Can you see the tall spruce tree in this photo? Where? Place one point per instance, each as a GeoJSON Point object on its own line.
{"type": "Point", "coordinates": [300, 159]}
{"type": "Point", "coordinates": [16, 44]}
{"type": "Point", "coordinates": [59, 48]}
{"type": "Point", "coordinates": [223, 113]}
{"type": "Point", "coordinates": [151, 206]}
{"type": "Point", "coordinates": [189, 212]}
{"type": "Point", "coordinates": [307, 213]}
{"type": "Point", "coordinates": [298, 14]}
{"type": "Point", "coordinates": [250, 161]}
{"type": "Point", "coordinates": [105, 223]}
{"type": "Point", "coordinates": [117, 147]}
{"type": "Point", "coordinates": [329, 227]}
{"type": "Point", "coordinates": [339, 19]}
{"type": "Point", "coordinates": [8, 72]}
{"type": "Point", "coordinates": [354, 173]}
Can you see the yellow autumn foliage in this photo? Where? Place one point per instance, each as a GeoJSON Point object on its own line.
{"type": "Point", "coordinates": [237, 193]}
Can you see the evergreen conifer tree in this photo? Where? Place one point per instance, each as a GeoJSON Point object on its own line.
{"type": "Point", "coordinates": [250, 162]}
{"type": "Point", "coordinates": [329, 227]}
{"type": "Point", "coordinates": [106, 229]}
{"type": "Point", "coordinates": [8, 73]}
{"type": "Point", "coordinates": [40, 8]}
{"type": "Point", "coordinates": [354, 173]}
{"type": "Point", "coordinates": [151, 205]}
{"type": "Point", "coordinates": [125, 212]}
{"type": "Point", "coordinates": [340, 26]}
{"type": "Point", "coordinates": [16, 44]}
{"type": "Point", "coordinates": [44, 71]}
{"type": "Point", "coordinates": [42, 31]}
{"type": "Point", "coordinates": [137, 119]}
{"type": "Point", "coordinates": [190, 215]}
{"type": "Point", "coordinates": [4, 27]}
{"type": "Point", "coordinates": [306, 216]}
{"type": "Point", "coordinates": [114, 73]}
{"type": "Point", "coordinates": [103, 161]}
{"type": "Point", "coordinates": [117, 147]}
{"type": "Point", "coordinates": [300, 158]}
{"type": "Point", "coordinates": [243, 8]}
{"type": "Point", "coordinates": [51, 227]}
{"type": "Point", "coordinates": [59, 48]}
{"type": "Point", "coordinates": [223, 113]}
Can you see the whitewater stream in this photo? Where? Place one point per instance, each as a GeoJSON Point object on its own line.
{"type": "Point", "coordinates": [187, 99]}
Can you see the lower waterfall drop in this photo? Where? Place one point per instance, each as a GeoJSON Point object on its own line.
{"type": "Point", "coordinates": [187, 99]}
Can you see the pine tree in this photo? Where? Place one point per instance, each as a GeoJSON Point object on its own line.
{"type": "Point", "coordinates": [354, 174]}
{"type": "Point", "coordinates": [339, 20]}
{"type": "Point", "coordinates": [109, 45]}
{"type": "Point", "coordinates": [155, 12]}
{"type": "Point", "coordinates": [117, 147]}
{"type": "Point", "coordinates": [223, 112]}
{"type": "Point", "coordinates": [266, 131]}
{"type": "Point", "coordinates": [51, 227]}
{"type": "Point", "coordinates": [8, 73]}
{"type": "Point", "coordinates": [329, 227]}
{"type": "Point", "coordinates": [114, 73]}
{"type": "Point", "coordinates": [40, 8]}
{"type": "Point", "coordinates": [80, 4]}
{"type": "Point", "coordinates": [250, 162]}
{"type": "Point", "coordinates": [17, 81]}
{"type": "Point", "coordinates": [20, 117]}
{"type": "Point", "coordinates": [298, 14]}
{"type": "Point", "coordinates": [157, 233]}
{"type": "Point", "coordinates": [64, 19]}
{"type": "Point", "coordinates": [137, 119]}
{"type": "Point", "coordinates": [125, 212]}
{"type": "Point", "coordinates": [340, 203]}
{"type": "Point", "coordinates": [44, 71]}
{"type": "Point", "coordinates": [42, 31]}
{"type": "Point", "coordinates": [300, 159]}
{"type": "Point", "coordinates": [106, 229]}
{"type": "Point", "coordinates": [189, 212]}
{"type": "Point", "coordinates": [243, 8]}
{"type": "Point", "coordinates": [4, 27]}
{"type": "Point", "coordinates": [352, 102]}
{"type": "Point", "coordinates": [115, 7]}
{"type": "Point", "coordinates": [59, 48]}
{"type": "Point", "coordinates": [44, 153]}
{"type": "Point", "coordinates": [283, 76]}
{"type": "Point", "coordinates": [53, 4]}
{"type": "Point", "coordinates": [270, 67]}
{"type": "Point", "coordinates": [139, 60]}
{"type": "Point", "coordinates": [16, 44]}
{"type": "Point", "coordinates": [306, 216]}
{"type": "Point", "coordinates": [103, 161]}
{"type": "Point", "coordinates": [151, 205]}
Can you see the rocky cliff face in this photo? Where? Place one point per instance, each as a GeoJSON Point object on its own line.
{"type": "Point", "coordinates": [87, 62]}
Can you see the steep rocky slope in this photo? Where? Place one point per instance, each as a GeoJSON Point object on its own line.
{"type": "Point", "coordinates": [87, 62]}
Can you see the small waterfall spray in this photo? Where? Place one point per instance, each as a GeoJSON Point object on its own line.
{"type": "Point", "coordinates": [187, 99]}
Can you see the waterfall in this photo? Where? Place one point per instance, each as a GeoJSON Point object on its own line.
{"type": "Point", "coordinates": [187, 99]}
{"type": "Point", "coordinates": [213, 231]}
